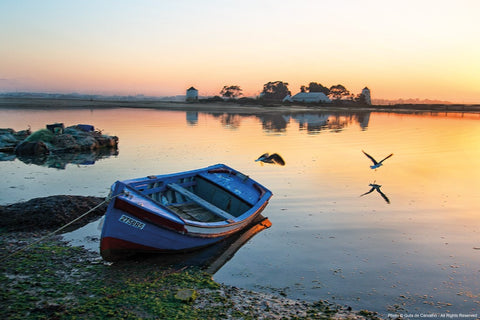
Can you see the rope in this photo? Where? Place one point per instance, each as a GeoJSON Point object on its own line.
{"type": "Point", "coordinates": [107, 199]}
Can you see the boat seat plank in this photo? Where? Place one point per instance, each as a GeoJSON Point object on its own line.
{"type": "Point", "coordinates": [192, 210]}
{"type": "Point", "coordinates": [207, 205]}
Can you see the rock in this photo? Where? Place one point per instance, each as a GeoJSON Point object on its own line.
{"type": "Point", "coordinates": [56, 139]}
{"type": "Point", "coordinates": [186, 295]}
{"type": "Point", "coordinates": [7, 142]}
{"type": "Point", "coordinates": [9, 139]}
{"type": "Point", "coordinates": [22, 134]}
{"type": "Point", "coordinates": [6, 156]}
{"type": "Point", "coordinates": [90, 140]}
{"type": "Point", "coordinates": [28, 148]}
{"type": "Point", "coordinates": [79, 144]}
{"type": "Point", "coordinates": [87, 142]}
{"type": "Point", "coordinates": [66, 143]}
{"type": "Point", "coordinates": [49, 213]}
{"type": "Point", "coordinates": [107, 141]}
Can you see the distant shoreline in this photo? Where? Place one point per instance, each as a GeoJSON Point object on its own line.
{"type": "Point", "coordinates": [231, 107]}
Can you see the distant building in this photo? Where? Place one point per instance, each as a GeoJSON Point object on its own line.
{"type": "Point", "coordinates": [309, 97]}
{"type": "Point", "coordinates": [366, 95]}
{"type": "Point", "coordinates": [192, 94]}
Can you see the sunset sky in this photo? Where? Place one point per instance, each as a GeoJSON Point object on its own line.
{"type": "Point", "coordinates": [400, 49]}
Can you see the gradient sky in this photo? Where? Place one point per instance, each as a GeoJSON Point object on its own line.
{"type": "Point", "coordinates": [399, 49]}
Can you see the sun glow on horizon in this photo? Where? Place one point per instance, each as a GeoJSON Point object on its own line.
{"type": "Point", "coordinates": [162, 48]}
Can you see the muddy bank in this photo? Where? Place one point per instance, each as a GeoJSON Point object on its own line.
{"type": "Point", "coordinates": [49, 213]}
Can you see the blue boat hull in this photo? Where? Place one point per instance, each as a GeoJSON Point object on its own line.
{"type": "Point", "coordinates": [144, 216]}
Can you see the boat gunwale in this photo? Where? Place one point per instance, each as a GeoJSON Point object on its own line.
{"type": "Point", "coordinates": [134, 184]}
{"type": "Point", "coordinates": [187, 222]}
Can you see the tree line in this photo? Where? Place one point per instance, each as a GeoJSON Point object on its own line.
{"type": "Point", "coordinates": [278, 90]}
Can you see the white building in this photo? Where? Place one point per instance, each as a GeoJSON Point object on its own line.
{"type": "Point", "coordinates": [366, 94]}
{"type": "Point", "coordinates": [310, 97]}
{"type": "Point", "coordinates": [192, 94]}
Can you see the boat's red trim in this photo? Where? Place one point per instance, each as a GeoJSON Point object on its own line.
{"type": "Point", "coordinates": [148, 216]}
{"type": "Point", "coordinates": [260, 189]}
{"type": "Point", "coordinates": [113, 249]}
{"type": "Point", "coordinates": [109, 243]}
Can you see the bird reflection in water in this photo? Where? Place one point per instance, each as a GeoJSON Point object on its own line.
{"type": "Point", "coordinates": [377, 188]}
{"type": "Point", "coordinates": [273, 158]}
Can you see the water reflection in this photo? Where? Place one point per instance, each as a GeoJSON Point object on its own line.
{"type": "Point", "coordinates": [316, 122]}
{"type": "Point", "coordinates": [376, 187]}
{"type": "Point", "coordinates": [418, 245]}
{"type": "Point", "coordinates": [61, 160]}
{"type": "Point", "coordinates": [192, 117]}
{"type": "Point", "coordinates": [210, 259]}
{"type": "Point", "coordinates": [229, 120]}
{"type": "Point", "coordinates": [313, 122]}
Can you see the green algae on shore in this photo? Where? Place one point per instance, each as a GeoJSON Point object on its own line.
{"type": "Point", "coordinates": [55, 281]}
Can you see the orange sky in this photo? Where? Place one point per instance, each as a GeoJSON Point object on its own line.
{"type": "Point", "coordinates": [410, 49]}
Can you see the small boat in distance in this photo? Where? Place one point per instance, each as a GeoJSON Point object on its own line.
{"type": "Point", "coordinates": [179, 212]}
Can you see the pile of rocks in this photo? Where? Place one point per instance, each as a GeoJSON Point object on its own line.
{"type": "Point", "coordinates": [9, 139]}
{"type": "Point", "coordinates": [55, 139]}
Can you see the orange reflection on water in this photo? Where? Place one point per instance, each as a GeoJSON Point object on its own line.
{"type": "Point", "coordinates": [431, 182]}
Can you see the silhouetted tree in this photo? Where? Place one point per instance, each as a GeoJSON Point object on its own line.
{"type": "Point", "coordinates": [231, 91]}
{"type": "Point", "coordinates": [276, 90]}
{"type": "Point", "coordinates": [338, 91]}
{"type": "Point", "coordinates": [317, 87]}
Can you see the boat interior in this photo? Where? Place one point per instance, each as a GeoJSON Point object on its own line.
{"type": "Point", "coordinates": [195, 198]}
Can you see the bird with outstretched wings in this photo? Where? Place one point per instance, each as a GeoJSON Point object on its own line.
{"type": "Point", "coordinates": [273, 158]}
{"type": "Point", "coordinates": [376, 163]}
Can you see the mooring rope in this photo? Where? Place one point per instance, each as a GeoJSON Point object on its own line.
{"type": "Point", "coordinates": [107, 199]}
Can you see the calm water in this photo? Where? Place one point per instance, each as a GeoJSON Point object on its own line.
{"type": "Point", "coordinates": [418, 254]}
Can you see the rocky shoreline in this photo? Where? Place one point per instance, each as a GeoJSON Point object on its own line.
{"type": "Point", "coordinates": [54, 280]}
{"type": "Point", "coordinates": [55, 139]}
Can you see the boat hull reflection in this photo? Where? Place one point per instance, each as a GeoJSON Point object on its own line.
{"type": "Point", "coordinates": [211, 258]}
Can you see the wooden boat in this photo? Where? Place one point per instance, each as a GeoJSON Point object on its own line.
{"type": "Point", "coordinates": [179, 212]}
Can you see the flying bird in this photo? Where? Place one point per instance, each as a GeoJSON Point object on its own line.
{"type": "Point", "coordinates": [375, 163]}
{"type": "Point", "coordinates": [377, 188]}
{"type": "Point", "coordinates": [271, 158]}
